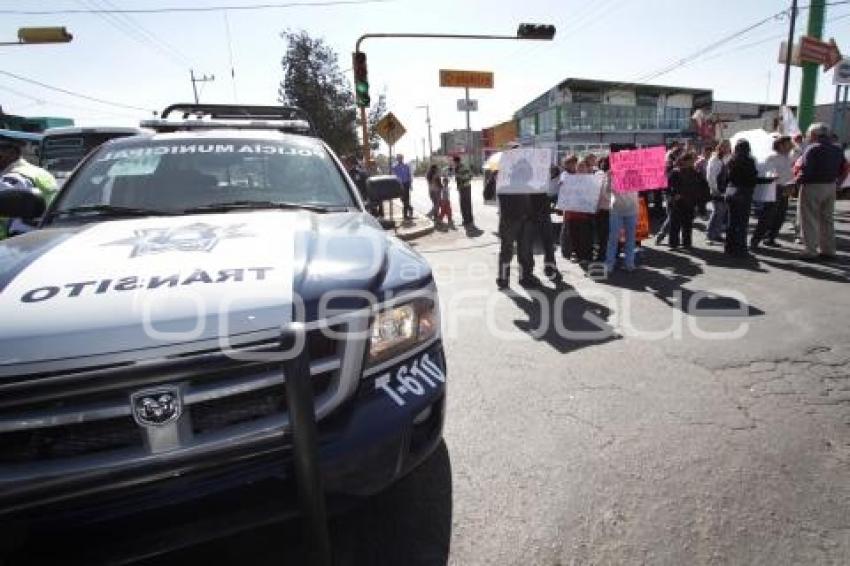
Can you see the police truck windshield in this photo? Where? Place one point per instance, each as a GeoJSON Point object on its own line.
{"type": "Point", "coordinates": [179, 175]}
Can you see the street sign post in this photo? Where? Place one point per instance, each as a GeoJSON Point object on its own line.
{"type": "Point", "coordinates": [824, 53]}
{"type": "Point", "coordinates": [841, 74]}
{"type": "Point", "coordinates": [390, 129]}
{"type": "Point", "coordinates": [466, 79]}
{"type": "Point", "coordinates": [795, 54]}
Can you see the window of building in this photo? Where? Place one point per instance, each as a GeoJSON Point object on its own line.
{"type": "Point", "coordinates": [526, 126]}
{"type": "Point", "coordinates": [582, 117]}
{"type": "Point", "coordinates": [646, 117]}
{"type": "Point", "coordinates": [676, 118]}
{"type": "Point", "coordinates": [547, 121]}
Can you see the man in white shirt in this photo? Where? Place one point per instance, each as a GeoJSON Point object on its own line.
{"type": "Point", "coordinates": [780, 165]}
{"type": "Point", "coordinates": [717, 177]}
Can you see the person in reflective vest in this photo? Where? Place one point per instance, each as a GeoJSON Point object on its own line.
{"type": "Point", "coordinates": [17, 173]}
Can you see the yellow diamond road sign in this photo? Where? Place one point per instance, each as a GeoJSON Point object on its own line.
{"type": "Point", "coordinates": [390, 129]}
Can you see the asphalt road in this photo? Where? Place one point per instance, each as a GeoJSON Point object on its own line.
{"type": "Point", "coordinates": [696, 411]}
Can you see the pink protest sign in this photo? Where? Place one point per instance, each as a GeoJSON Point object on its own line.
{"type": "Point", "coordinates": [638, 170]}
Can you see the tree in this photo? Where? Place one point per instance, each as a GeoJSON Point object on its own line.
{"type": "Point", "coordinates": [313, 81]}
{"type": "Point", "coordinates": [376, 112]}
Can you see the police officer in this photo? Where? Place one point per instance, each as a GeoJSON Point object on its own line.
{"type": "Point", "coordinates": [17, 173]}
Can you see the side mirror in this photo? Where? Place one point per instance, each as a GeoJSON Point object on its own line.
{"type": "Point", "coordinates": [383, 187]}
{"type": "Point", "coordinates": [21, 203]}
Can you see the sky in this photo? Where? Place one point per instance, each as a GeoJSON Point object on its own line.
{"type": "Point", "coordinates": [143, 60]}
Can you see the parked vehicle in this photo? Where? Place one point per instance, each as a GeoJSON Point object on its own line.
{"type": "Point", "coordinates": [143, 323]}
{"type": "Point", "coordinates": [63, 148]}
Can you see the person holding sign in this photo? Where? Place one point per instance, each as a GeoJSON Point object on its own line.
{"type": "Point", "coordinates": [522, 173]}
{"type": "Point", "coordinates": [686, 188]}
{"type": "Point", "coordinates": [622, 217]}
{"type": "Point", "coordinates": [581, 225]}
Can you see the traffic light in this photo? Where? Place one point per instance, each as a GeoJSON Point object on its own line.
{"type": "Point", "coordinates": [361, 79]}
{"type": "Point", "coordinates": [535, 31]}
{"type": "Point", "coordinates": [44, 35]}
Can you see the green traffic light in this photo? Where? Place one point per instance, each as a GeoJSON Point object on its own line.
{"type": "Point", "coordinates": [362, 87]}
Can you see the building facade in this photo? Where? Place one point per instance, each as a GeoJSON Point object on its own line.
{"type": "Point", "coordinates": [580, 115]}
{"type": "Point", "coordinates": [464, 143]}
{"type": "Point", "coordinates": [498, 137]}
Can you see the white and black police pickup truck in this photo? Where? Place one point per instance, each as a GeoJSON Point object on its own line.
{"type": "Point", "coordinates": [152, 329]}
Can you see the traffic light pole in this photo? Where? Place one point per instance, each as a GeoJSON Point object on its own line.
{"type": "Point", "coordinates": [364, 122]}
{"type": "Point", "coordinates": [362, 38]}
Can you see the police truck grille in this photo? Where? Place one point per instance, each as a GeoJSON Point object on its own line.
{"type": "Point", "coordinates": [86, 416]}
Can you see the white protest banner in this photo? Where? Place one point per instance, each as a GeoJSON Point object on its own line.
{"type": "Point", "coordinates": [761, 147]}
{"type": "Point", "coordinates": [580, 193]}
{"type": "Point", "coordinates": [523, 171]}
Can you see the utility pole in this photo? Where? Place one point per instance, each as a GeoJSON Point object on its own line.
{"type": "Point", "coordinates": [196, 80]}
{"type": "Point", "coordinates": [806, 112]}
{"type": "Point", "coordinates": [428, 121]}
{"type": "Point", "coordinates": [536, 32]}
{"type": "Point", "coordinates": [789, 52]}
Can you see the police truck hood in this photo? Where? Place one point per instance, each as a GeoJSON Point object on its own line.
{"type": "Point", "coordinates": [126, 285]}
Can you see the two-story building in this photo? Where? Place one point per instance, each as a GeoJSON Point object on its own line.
{"type": "Point", "coordinates": [580, 115]}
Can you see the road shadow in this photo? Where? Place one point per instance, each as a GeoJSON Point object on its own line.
{"type": "Point", "coordinates": [563, 319]}
{"type": "Point", "coordinates": [716, 257]}
{"type": "Point", "coordinates": [669, 286]}
{"type": "Point", "coordinates": [409, 523]}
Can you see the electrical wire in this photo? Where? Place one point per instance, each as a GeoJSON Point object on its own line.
{"type": "Point", "coordinates": [137, 31]}
{"type": "Point", "coordinates": [38, 101]}
{"type": "Point", "coordinates": [190, 9]}
{"type": "Point", "coordinates": [687, 60]}
{"type": "Point", "coordinates": [72, 93]}
{"type": "Point", "coordinates": [756, 43]}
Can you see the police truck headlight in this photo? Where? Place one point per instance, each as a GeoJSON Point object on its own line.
{"type": "Point", "coordinates": [401, 328]}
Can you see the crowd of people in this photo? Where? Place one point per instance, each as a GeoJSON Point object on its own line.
{"type": "Point", "coordinates": [438, 189]}
{"type": "Point", "coordinates": [722, 184]}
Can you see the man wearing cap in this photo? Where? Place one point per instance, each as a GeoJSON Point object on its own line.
{"type": "Point", "coordinates": [463, 179]}
{"type": "Point", "coordinates": [821, 173]}
{"type": "Point", "coordinates": [17, 173]}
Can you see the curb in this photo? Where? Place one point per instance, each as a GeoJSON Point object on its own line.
{"type": "Point", "coordinates": [426, 227]}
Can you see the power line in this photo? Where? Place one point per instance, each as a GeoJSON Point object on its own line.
{"type": "Point", "coordinates": [133, 28]}
{"type": "Point", "coordinates": [751, 44]}
{"type": "Point", "coordinates": [38, 101]}
{"type": "Point", "coordinates": [171, 9]}
{"type": "Point", "coordinates": [703, 50]}
{"type": "Point", "coordinates": [719, 43]}
{"type": "Point", "coordinates": [72, 93]}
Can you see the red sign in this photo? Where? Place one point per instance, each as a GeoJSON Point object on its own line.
{"type": "Point", "coordinates": [639, 169]}
{"type": "Point", "coordinates": [834, 57]}
{"type": "Point", "coordinates": [813, 50]}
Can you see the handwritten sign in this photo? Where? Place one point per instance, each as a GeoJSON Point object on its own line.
{"type": "Point", "coordinates": [579, 193]}
{"type": "Point", "coordinates": [524, 171]}
{"type": "Point", "coordinates": [638, 170]}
